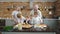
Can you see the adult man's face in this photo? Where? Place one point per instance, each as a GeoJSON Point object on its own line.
{"type": "Point", "coordinates": [36, 7]}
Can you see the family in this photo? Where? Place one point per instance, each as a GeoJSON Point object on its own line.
{"type": "Point", "coordinates": [35, 16]}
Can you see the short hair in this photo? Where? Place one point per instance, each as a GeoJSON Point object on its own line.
{"type": "Point", "coordinates": [19, 15]}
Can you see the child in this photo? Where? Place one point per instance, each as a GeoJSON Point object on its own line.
{"type": "Point", "coordinates": [36, 19]}
{"type": "Point", "coordinates": [20, 18]}
{"type": "Point", "coordinates": [20, 21]}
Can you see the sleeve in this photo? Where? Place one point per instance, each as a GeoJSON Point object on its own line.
{"type": "Point", "coordinates": [31, 21]}
{"type": "Point", "coordinates": [31, 13]}
{"type": "Point", "coordinates": [13, 15]}
{"type": "Point", "coordinates": [41, 20]}
{"type": "Point", "coordinates": [24, 18]}
{"type": "Point", "coordinates": [40, 14]}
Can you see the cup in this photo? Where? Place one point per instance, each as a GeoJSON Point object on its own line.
{"type": "Point", "coordinates": [19, 26]}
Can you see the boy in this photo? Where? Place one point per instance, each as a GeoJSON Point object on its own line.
{"type": "Point", "coordinates": [36, 19]}
{"type": "Point", "coordinates": [20, 21]}
{"type": "Point", "coordinates": [20, 18]}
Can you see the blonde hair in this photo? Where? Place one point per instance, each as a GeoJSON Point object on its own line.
{"type": "Point", "coordinates": [19, 15]}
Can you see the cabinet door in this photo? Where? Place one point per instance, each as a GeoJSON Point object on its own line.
{"type": "Point", "coordinates": [2, 22]}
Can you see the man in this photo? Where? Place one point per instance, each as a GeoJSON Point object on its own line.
{"type": "Point", "coordinates": [35, 9]}
{"type": "Point", "coordinates": [14, 14]}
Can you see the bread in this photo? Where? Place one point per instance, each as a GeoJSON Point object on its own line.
{"type": "Point", "coordinates": [27, 26]}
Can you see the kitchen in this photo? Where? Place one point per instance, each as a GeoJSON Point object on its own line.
{"type": "Point", "coordinates": [49, 8]}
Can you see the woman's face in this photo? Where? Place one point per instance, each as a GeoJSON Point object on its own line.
{"type": "Point", "coordinates": [18, 8]}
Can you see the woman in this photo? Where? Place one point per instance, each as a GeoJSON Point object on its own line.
{"type": "Point", "coordinates": [14, 14]}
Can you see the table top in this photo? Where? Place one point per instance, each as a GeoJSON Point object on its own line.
{"type": "Point", "coordinates": [26, 28]}
{"type": "Point", "coordinates": [32, 29]}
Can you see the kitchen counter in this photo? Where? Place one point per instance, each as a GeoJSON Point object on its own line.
{"type": "Point", "coordinates": [31, 30]}
{"type": "Point", "coordinates": [50, 22]}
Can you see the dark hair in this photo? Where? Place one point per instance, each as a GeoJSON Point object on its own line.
{"type": "Point", "coordinates": [38, 8]}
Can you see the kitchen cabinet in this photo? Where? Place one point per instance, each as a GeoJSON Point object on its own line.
{"type": "Point", "coordinates": [2, 24]}
{"type": "Point", "coordinates": [57, 13]}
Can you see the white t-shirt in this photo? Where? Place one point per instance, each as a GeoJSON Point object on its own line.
{"type": "Point", "coordinates": [21, 20]}
{"type": "Point", "coordinates": [14, 13]}
{"type": "Point", "coordinates": [36, 20]}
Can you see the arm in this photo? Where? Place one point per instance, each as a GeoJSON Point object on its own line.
{"type": "Point", "coordinates": [41, 21]}
{"type": "Point", "coordinates": [15, 22]}
{"type": "Point", "coordinates": [40, 17]}
{"type": "Point", "coordinates": [13, 17]}
{"type": "Point", "coordinates": [31, 21]}
{"type": "Point", "coordinates": [40, 14]}
{"type": "Point", "coordinates": [32, 13]}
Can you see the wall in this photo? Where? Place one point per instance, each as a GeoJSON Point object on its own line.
{"type": "Point", "coordinates": [4, 13]}
{"type": "Point", "coordinates": [27, 0]}
{"type": "Point", "coordinates": [42, 6]}
{"type": "Point", "coordinates": [57, 5]}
